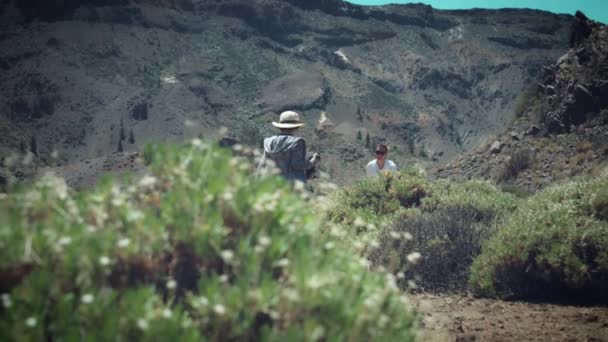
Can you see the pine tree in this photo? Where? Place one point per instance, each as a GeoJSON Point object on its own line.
{"type": "Point", "coordinates": [22, 147]}
{"type": "Point", "coordinates": [122, 131]}
{"type": "Point", "coordinates": [120, 149]}
{"type": "Point", "coordinates": [131, 137]}
{"type": "Point", "coordinates": [410, 146]}
{"type": "Point", "coordinates": [359, 136]}
{"type": "Point", "coordinates": [359, 115]}
{"type": "Point", "coordinates": [367, 140]}
{"type": "Point", "coordinates": [33, 145]}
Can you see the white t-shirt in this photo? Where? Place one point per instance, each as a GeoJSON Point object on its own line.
{"type": "Point", "coordinates": [372, 168]}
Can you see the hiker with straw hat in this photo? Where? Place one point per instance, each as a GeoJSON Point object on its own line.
{"type": "Point", "coordinates": [288, 151]}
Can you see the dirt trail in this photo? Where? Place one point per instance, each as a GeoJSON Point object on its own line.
{"type": "Point", "coordinates": [462, 318]}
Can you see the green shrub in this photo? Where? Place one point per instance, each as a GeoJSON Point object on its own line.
{"type": "Point", "coordinates": [527, 102]}
{"type": "Point", "coordinates": [554, 246]}
{"type": "Point", "coordinates": [599, 204]}
{"type": "Point", "coordinates": [447, 239]}
{"type": "Point", "coordinates": [376, 199]}
{"type": "Point", "coordinates": [447, 233]}
{"type": "Point", "coordinates": [445, 222]}
{"type": "Point", "coordinates": [197, 250]}
{"type": "Point", "coordinates": [516, 163]}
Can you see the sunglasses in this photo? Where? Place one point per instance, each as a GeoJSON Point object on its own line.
{"type": "Point", "coordinates": [380, 152]}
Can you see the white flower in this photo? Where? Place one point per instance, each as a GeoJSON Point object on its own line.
{"type": "Point", "coordinates": [395, 235]}
{"type": "Point", "coordinates": [186, 323]}
{"type": "Point", "coordinates": [329, 245]}
{"type": "Point", "coordinates": [6, 301]}
{"type": "Point", "coordinates": [124, 242]}
{"type": "Point", "coordinates": [31, 322]}
{"type": "Point", "coordinates": [142, 324]}
{"type": "Point", "coordinates": [383, 320]}
{"type": "Point", "coordinates": [359, 222]}
{"type": "Point", "coordinates": [104, 260]}
{"type": "Point", "coordinates": [298, 186]}
{"type": "Point", "coordinates": [118, 201]}
{"type": "Point", "coordinates": [219, 309]}
{"type": "Point", "coordinates": [413, 257]}
{"type": "Point", "coordinates": [364, 262]}
{"type": "Point", "coordinates": [369, 302]}
{"type": "Point", "coordinates": [171, 284]}
{"type": "Point", "coordinates": [224, 278]}
{"type": "Point", "coordinates": [147, 181]}
{"type": "Point", "coordinates": [282, 263]}
{"type": "Point", "coordinates": [227, 196]}
{"type": "Point", "coordinates": [407, 236]}
{"type": "Point", "coordinates": [61, 188]}
{"type": "Point", "coordinates": [411, 284]}
{"type": "Point", "coordinates": [358, 245]}
{"type": "Point", "coordinates": [203, 301]}
{"type": "Point", "coordinates": [314, 282]}
{"type": "Point", "coordinates": [400, 275]}
{"type": "Point", "coordinates": [197, 142]}
{"type": "Point", "coordinates": [29, 157]}
{"type": "Point", "coordinates": [64, 241]}
{"type": "Point", "coordinates": [32, 196]}
{"type": "Point", "coordinates": [87, 298]}
{"type": "Point", "coordinates": [167, 313]}
{"type": "Point", "coordinates": [292, 295]}
{"type": "Point", "coordinates": [134, 215]}
{"type": "Point", "coordinates": [227, 255]}
{"type": "Point", "coordinates": [264, 241]}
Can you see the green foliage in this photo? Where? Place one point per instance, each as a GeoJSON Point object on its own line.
{"type": "Point", "coordinates": [599, 204]}
{"type": "Point", "coordinates": [447, 240]}
{"type": "Point", "coordinates": [447, 232]}
{"type": "Point", "coordinates": [376, 199]}
{"type": "Point", "coordinates": [555, 246]}
{"type": "Point", "coordinates": [196, 250]}
{"type": "Point", "coordinates": [405, 214]}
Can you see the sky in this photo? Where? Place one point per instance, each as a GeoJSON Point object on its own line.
{"type": "Point", "coordinates": [594, 9]}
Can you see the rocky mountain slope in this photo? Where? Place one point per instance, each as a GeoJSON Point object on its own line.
{"type": "Point", "coordinates": [88, 78]}
{"type": "Point", "coordinates": [562, 131]}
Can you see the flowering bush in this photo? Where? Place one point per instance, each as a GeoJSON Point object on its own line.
{"type": "Point", "coordinates": [421, 230]}
{"type": "Point", "coordinates": [555, 246]}
{"type": "Point", "coordinates": [380, 199]}
{"type": "Point", "coordinates": [195, 250]}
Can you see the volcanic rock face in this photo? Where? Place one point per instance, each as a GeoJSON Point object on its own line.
{"type": "Point", "coordinates": [571, 103]}
{"type": "Point", "coordinates": [576, 87]}
{"type": "Point", "coordinates": [431, 84]}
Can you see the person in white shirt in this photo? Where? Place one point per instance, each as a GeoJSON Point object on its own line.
{"type": "Point", "coordinates": [380, 164]}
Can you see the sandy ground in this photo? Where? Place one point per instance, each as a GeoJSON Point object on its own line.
{"type": "Point", "coordinates": [462, 318]}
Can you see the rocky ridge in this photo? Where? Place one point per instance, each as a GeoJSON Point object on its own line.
{"type": "Point", "coordinates": [563, 128]}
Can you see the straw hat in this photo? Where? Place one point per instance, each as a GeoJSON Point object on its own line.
{"type": "Point", "coordinates": [289, 119]}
